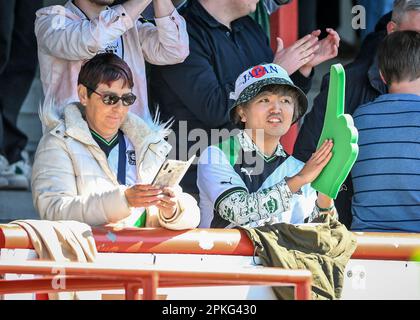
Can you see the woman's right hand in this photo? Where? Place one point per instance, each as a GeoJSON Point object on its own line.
{"type": "Point", "coordinates": [316, 162]}
{"type": "Point", "coordinates": [143, 195]}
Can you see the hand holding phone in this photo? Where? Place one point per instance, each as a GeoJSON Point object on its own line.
{"type": "Point", "coordinates": [146, 195]}
{"type": "Point", "coordinates": [143, 195]}
{"type": "Point", "coordinates": [171, 173]}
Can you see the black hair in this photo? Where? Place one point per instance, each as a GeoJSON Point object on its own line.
{"type": "Point", "coordinates": [104, 68]}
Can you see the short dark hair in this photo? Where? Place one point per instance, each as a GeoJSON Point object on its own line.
{"type": "Point", "coordinates": [104, 68]}
{"type": "Point", "coordinates": [399, 56]}
{"type": "Point", "coordinates": [271, 88]}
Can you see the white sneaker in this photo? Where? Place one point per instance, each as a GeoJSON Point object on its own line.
{"type": "Point", "coordinates": [4, 164]}
{"type": "Point", "coordinates": [3, 182]}
{"type": "Point", "coordinates": [23, 166]}
{"type": "Point", "coordinates": [17, 174]}
{"type": "Point", "coordinates": [20, 175]}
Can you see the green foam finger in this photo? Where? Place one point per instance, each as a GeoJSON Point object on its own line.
{"type": "Point", "coordinates": [340, 128]}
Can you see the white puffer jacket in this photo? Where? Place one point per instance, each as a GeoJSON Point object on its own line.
{"type": "Point", "coordinates": [71, 178]}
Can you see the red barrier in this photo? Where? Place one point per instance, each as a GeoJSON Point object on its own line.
{"type": "Point", "coordinates": [105, 276]}
{"type": "Point", "coordinates": [371, 245]}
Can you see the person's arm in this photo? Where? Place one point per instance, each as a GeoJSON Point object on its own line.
{"type": "Point", "coordinates": [242, 208]}
{"type": "Point", "coordinates": [167, 42]}
{"type": "Point", "coordinates": [297, 55]}
{"type": "Point", "coordinates": [310, 131]}
{"type": "Point", "coordinates": [245, 208]}
{"type": "Point", "coordinates": [186, 215]}
{"type": "Point", "coordinates": [175, 210]}
{"type": "Point", "coordinates": [323, 201]}
{"type": "Point", "coordinates": [294, 58]}
{"type": "Point", "coordinates": [237, 205]}
{"type": "Point", "coordinates": [55, 192]}
{"type": "Point", "coordinates": [323, 205]}
{"type": "Point", "coordinates": [163, 8]}
{"type": "Point", "coordinates": [63, 35]}
{"type": "Point", "coordinates": [196, 85]}
{"type": "Point", "coordinates": [304, 83]}
{"type": "Point", "coordinates": [327, 49]}
{"type": "Point", "coordinates": [135, 7]}
{"type": "Point", "coordinates": [300, 59]}
{"type": "Point", "coordinates": [218, 182]}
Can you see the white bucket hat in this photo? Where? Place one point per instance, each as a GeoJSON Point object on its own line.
{"type": "Point", "coordinates": [251, 81]}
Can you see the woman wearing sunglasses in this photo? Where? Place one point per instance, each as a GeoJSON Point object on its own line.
{"type": "Point", "coordinates": [96, 161]}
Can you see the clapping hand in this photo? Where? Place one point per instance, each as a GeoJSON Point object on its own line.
{"type": "Point", "coordinates": [328, 47]}
{"type": "Point", "coordinates": [297, 55]}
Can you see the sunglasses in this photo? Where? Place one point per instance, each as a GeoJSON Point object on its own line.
{"type": "Point", "coordinates": [111, 99]}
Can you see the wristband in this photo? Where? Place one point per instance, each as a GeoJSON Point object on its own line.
{"type": "Point", "coordinates": [323, 209]}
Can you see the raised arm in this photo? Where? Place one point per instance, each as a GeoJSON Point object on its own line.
{"type": "Point", "coordinates": [135, 7]}
{"type": "Point", "coordinates": [196, 85]}
{"type": "Point", "coordinates": [310, 131]}
{"type": "Point", "coordinates": [63, 34]}
{"type": "Point", "coordinates": [167, 42]}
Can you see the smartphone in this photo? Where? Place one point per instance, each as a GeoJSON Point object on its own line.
{"type": "Point", "coordinates": [171, 172]}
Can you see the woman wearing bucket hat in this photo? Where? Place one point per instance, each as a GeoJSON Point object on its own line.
{"type": "Point", "coordinates": [248, 179]}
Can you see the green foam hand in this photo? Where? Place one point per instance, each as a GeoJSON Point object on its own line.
{"type": "Point", "coordinates": [340, 128]}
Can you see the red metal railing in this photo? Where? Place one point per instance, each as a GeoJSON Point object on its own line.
{"type": "Point", "coordinates": [92, 276]}
{"type": "Point", "coordinates": [380, 246]}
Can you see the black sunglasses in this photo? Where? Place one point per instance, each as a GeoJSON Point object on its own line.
{"type": "Point", "coordinates": [111, 99]}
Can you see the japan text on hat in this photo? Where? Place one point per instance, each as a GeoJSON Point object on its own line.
{"type": "Point", "coordinates": [251, 81]}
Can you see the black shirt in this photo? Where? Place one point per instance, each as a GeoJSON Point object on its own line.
{"type": "Point", "coordinates": [197, 90]}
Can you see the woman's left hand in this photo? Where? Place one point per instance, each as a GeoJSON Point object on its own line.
{"type": "Point", "coordinates": [168, 203]}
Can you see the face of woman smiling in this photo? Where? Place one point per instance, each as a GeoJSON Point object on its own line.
{"type": "Point", "coordinates": [102, 118]}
